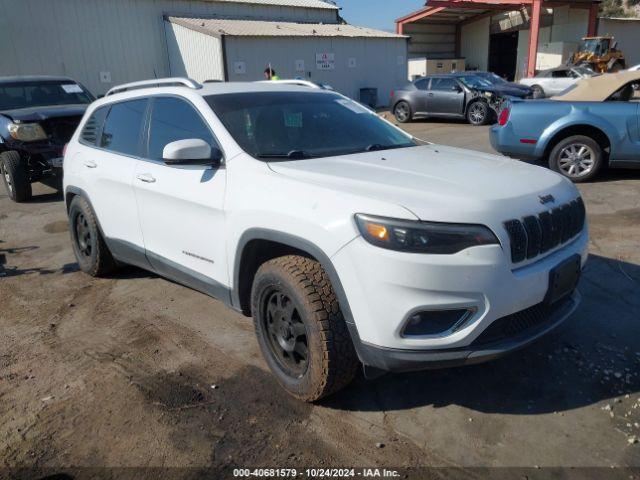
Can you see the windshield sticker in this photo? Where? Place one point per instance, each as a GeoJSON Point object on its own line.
{"type": "Point", "coordinates": [293, 120]}
{"type": "Point", "coordinates": [72, 88]}
{"type": "Point", "coordinates": [353, 106]}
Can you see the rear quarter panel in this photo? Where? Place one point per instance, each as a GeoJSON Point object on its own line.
{"type": "Point", "coordinates": [542, 120]}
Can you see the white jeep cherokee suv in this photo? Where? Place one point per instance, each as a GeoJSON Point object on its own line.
{"type": "Point", "coordinates": [346, 239]}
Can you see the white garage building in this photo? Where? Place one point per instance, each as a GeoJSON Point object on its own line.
{"type": "Point", "coordinates": [102, 43]}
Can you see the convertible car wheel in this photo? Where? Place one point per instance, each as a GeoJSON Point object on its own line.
{"type": "Point", "coordinates": [577, 157]}
{"type": "Point", "coordinates": [538, 91]}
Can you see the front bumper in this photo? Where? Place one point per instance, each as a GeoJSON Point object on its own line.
{"type": "Point", "coordinates": [385, 287]}
{"type": "Point", "coordinates": [539, 324]}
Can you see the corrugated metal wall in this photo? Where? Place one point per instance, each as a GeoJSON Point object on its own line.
{"type": "Point", "coordinates": [379, 63]}
{"type": "Point", "coordinates": [194, 55]}
{"type": "Point", "coordinates": [474, 43]}
{"type": "Point", "coordinates": [118, 40]}
{"type": "Point", "coordinates": [431, 40]}
{"type": "Point", "coordinates": [627, 33]}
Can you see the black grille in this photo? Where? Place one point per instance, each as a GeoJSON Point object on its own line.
{"type": "Point", "coordinates": [540, 233]}
{"type": "Point", "coordinates": [61, 130]}
{"type": "Point", "coordinates": [522, 322]}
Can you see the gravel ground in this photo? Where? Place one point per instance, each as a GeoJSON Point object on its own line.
{"type": "Point", "coordinates": [136, 371]}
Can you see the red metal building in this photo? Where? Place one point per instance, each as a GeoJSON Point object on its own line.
{"type": "Point", "coordinates": [458, 13]}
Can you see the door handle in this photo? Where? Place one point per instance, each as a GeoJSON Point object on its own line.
{"type": "Point", "coordinates": [146, 178]}
{"type": "Point", "coordinates": [430, 94]}
{"type": "Point", "coordinates": [90, 164]}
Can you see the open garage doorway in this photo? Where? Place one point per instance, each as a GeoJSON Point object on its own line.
{"type": "Point", "coordinates": [503, 54]}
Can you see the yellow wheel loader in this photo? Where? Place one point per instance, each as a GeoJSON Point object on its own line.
{"type": "Point", "coordinates": [600, 54]}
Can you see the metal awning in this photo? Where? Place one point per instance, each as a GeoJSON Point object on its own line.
{"type": "Point", "coordinates": [461, 12]}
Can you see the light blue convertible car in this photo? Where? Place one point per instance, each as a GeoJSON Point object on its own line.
{"type": "Point", "coordinates": [594, 123]}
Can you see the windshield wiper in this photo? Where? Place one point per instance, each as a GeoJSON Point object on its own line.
{"type": "Point", "coordinates": [378, 146]}
{"type": "Point", "coordinates": [292, 155]}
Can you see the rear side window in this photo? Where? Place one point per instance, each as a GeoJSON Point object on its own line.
{"type": "Point", "coordinates": [423, 84]}
{"type": "Point", "coordinates": [560, 74]}
{"type": "Point", "coordinates": [92, 127]}
{"type": "Point", "coordinates": [174, 119]}
{"type": "Point", "coordinates": [443, 84]}
{"type": "Point", "coordinates": [121, 132]}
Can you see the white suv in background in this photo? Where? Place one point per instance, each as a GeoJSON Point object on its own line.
{"type": "Point", "coordinates": [346, 239]}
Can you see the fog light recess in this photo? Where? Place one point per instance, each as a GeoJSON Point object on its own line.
{"type": "Point", "coordinates": [436, 322]}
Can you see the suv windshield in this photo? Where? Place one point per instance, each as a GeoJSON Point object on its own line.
{"type": "Point", "coordinates": [40, 93]}
{"type": "Point", "coordinates": [474, 81]}
{"type": "Point", "coordinates": [297, 125]}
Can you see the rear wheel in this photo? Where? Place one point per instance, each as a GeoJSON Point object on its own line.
{"type": "Point", "coordinates": [15, 177]}
{"type": "Point", "coordinates": [402, 112]}
{"type": "Point", "coordinates": [579, 158]}
{"type": "Point", "coordinates": [90, 249]}
{"type": "Point", "coordinates": [478, 113]}
{"type": "Point", "coordinates": [300, 328]}
{"type": "Point", "coordinates": [538, 91]}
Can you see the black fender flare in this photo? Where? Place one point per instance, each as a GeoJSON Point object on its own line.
{"type": "Point", "coordinates": [305, 246]}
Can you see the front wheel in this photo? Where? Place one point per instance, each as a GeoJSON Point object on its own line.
{"type": "Point", "coordinates": [579, 158]}
{"type": "Point", "coordinates": [478, 113]}
{"type": "Point", "coordinates": [300, 328]}
{"type": "Point", "coordinates": [402, 112]}
{"type": "Point", "coordinates": [15, 177]}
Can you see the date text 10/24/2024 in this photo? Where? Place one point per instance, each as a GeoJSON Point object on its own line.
{"type": "Point", "coordinates": [315, 473]}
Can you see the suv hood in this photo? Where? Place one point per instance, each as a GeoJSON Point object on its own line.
{"type": "Point", "coordinates": [38, 114]}
{"type": "Point", "coordinates": [437, 183]}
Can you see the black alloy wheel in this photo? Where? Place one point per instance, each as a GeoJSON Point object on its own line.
{"type": "Point", "coordinates": [287, 333]}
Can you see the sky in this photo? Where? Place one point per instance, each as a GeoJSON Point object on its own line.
{"type": "Point", "coordinates": [378, 14]}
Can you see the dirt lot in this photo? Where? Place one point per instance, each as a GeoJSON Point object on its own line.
{"type": "Point", "coordinates": [135, 371]}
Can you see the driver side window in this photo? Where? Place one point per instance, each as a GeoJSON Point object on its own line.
{"type": "Point", "coordinates": [174, 119]}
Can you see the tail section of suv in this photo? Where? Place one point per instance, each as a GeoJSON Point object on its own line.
{"type": "Point", "coordinates": [346, 240]}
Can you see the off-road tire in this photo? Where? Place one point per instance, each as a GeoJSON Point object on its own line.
{"type": "Point", "coordinates": [20, 188]}
{"type": "Point", "coordinates": [472, 110]}
{"type": "Point", "coordinates": [332, 360]}
{"type": "Point", "coordinates": [403, 106]}
{"type": "Point", "coordinates": [98, 261]}
{"type": "Point", "coordinates": [598, 157]}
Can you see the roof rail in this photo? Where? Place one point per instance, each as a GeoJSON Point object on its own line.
{"type": "Point", "coordinates": [156, 82]}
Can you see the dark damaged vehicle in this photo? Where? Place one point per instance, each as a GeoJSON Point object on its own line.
{"type": "Point", "coordinates": [38, 116]}
{"type": "Point", "coordinates": [457, 95]}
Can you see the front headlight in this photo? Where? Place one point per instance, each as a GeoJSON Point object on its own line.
{"type": "Point", "coordinates": [422, 237]}
{"type": "Point", "coordinates": [27, 132]}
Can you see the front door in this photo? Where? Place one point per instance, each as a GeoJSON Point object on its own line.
{"type": "Point", "coordinates": [446, 97]}
{"type": "Point", "coordinates": [181, 207]}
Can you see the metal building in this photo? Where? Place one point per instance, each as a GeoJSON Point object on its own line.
{"type": "Point", "coordinates": [346, 57]}
{"type": "Point", "coordinates": [102, 43]}
{"type": "Point", "coordinates": [510, 37]}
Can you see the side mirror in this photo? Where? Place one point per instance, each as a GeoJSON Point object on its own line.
{"type": "Point", "coordinates": [191, 151]}
{"type": "Point", "coordinates": [456, 88]}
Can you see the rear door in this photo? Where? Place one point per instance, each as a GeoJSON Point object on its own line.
{"type": "Point", "coordinates": [446, 98]}
{"type": "Point", "coordinates": [421, 95]}
{"type": "Point", "coordinates": [107, 169]}
{"type": "Point", "coordinates": [181, 206]}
